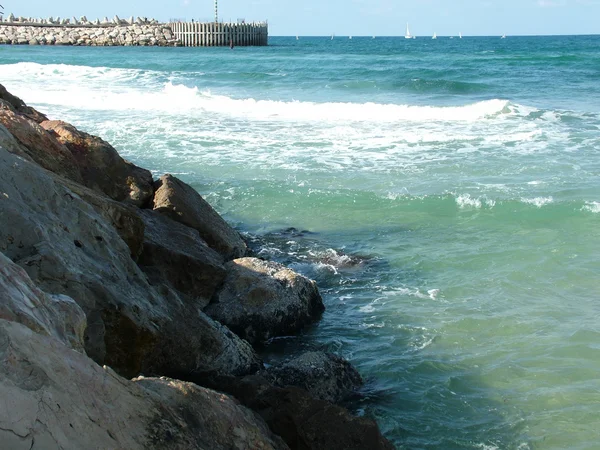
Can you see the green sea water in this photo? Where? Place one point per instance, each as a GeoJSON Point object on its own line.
{"type": "Point", "coordinates": [444, 194]}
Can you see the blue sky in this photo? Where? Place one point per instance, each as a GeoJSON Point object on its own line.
{"type": "Point", "coordinates": [355, 17]}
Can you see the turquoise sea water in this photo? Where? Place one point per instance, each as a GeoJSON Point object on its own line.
{"type": "Point", "coordinates": [445, 195]}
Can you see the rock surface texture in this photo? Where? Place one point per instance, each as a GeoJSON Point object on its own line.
{"type": "Point", "coordinates": [261, 299]}
{"type": "Point", "coordinates": [183, 204]}
{"type": "Point", "coordinates": [101, 167]}
{"type": "Point", "coordinates": [326, 376]}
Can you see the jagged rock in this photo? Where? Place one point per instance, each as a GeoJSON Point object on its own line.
{"type": "Point", "coordinates": [176, 255]}
{"type": "Point", "coordinates": [11, 17]}
{"type": "Point", "coordinates": [54, 397]}
{"type": "Point", "coordinates": [302, 421]}
{"type": "Point", "coordinates": [131, 20]}
{"type": "Point", "coordinates": [74, 20]}
{"type": "Point", "coordinates": [183, 204]}
{"type": "Point", "coordinates": [9, 142]}
{"type": "Point", "coordinates": [20, 106]}
{"type": "Point", "coordinates": [67, 248]}
{"type": "Point", "coordinates": [116, 20]}
{"type": "Point", "coordinates": [41, 146]}
{"type": "Point", "coordinates": [101, 167]}
{"type": "Point", "coordinates": [260, 300]}
{"type": "Point", "coordinates": [51, 315]}
{"type": "Point", "coordinates": [326, 376]}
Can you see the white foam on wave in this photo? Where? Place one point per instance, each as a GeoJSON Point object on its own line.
{"type": "Point", "coordinates": [593, 207]}
{"type": "Point", "coordinates": [102, 88]}
{"type": "Point", "coordinates": [465, 201]}
{"type": "Point", "coordinates": [538, 201]}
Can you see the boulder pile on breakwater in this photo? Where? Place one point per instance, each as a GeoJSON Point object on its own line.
{"type": "Point", "coordinates": [114, 32]}
{"type": "Point", "coordinates": [116, 294]}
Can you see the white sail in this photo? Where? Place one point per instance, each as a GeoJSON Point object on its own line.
{"type": "Point", "coordinates": [407, 35]}
{"type": "Point", "coordinates": [459, 35]}
{"type": "Point", "coordinates": [503, 36]}
{"type": "Point", "coordinates": [434, 36]}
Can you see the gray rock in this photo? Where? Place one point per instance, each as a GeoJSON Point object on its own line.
{"type": "Point", "coordinates": [260, 300]}
{"type": "Point", "coordinates": [68, 248]}
{"type": "Point", "coordinates": [51, 315]}
{"type": "Point", "coordinates": [101, 167]}
{"type": "Point", "coordinates": [183, 204]}
{"type": "Point", "coordinates": [55, 398]}
{"type": "Point", "coordinates": [326, 376]}
{"type": "Point", "coordinates": [176, 255]}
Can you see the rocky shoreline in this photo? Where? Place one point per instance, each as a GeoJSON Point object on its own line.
{"type": "Point", "coordinates": [129, 310]}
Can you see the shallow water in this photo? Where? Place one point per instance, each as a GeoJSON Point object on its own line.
{"type": "Point", "coordinates": [444, 194]}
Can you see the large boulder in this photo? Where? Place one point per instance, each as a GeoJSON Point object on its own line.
{"type": "Point", "coordinates": [40, 145]}
{"type": "Point", "coordinates": [183, 204]}
{"type": "Point", "coordinates": [101, 167]}
{"type": "Point", "coordinates": [56, 398]}
{"type": "Point", "coordinates": [304, 423]}
{"type": "Point", "coordinates": [19, 106]}
{"type": "Point", "coordinates": [261, 299]}
{"type": "Point", "coordinates": [325, 375]}
{"type": "Point", "coordinates": [68, 248]}
{"type": "Point", "coordinates": [8, 141]}
{"type": "Point", "coordinates": [51, 315]}
{"type": "Point", "coordinates": [176, 255]}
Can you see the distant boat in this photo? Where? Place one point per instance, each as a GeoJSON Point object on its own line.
{"type": "Point", "coordinates": [373, 37]}
{"type": "Point", "coordinates": [503, 36]}
{"type": "Point", "coordinates": [434, 36]}
{"type": "Point", "coordinates": [297, 37]}
{"type": "Point", "coordinates": [332, 36]}
{"type": "Point", "coordinates": [349, 37]}
{"type": "Point", "coordinates": [460, 35]}
{"type": "Point", "coordinates": [408, 35]}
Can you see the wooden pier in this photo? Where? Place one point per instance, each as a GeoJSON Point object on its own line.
{"type": "Point", "coordinates": [215, 34]}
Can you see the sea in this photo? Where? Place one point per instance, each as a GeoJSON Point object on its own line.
{"type": "Point", "coordinates": [445, 194]}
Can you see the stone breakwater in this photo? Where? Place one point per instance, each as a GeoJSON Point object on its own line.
{"type": "Point", "coordinates": [107, 274]}
{"type": "Point", "coordinates": [151, 34]}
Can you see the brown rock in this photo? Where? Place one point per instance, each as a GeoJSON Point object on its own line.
{"type": "Point", "coordinates": [20, 107]}
{"type": "Point", "coordinates": [40, 145]}
{"type": "Point", "coordinates": [176, 255]}
{"type": "Point", "coordinates": [260, 300]}
{"type": "Point", "coordinates": [101, 167]}
{"type": "Point", "coordinates": [183, 204]}
{"type": "Point", "coordinates": [304, 422]}
{"type": "Point", "coordinates": [68, 248]}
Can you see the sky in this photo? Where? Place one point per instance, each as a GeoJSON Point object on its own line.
{"type": "Point", "coordinates": [349, 17]}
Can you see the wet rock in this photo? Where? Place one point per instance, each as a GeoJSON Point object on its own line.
{"type": "Point", "coordinates": [183, 204]}
{"type": "Point", "coordinates": [101, 167]}
{"type": "Point", "coordinates": [260, 300]}
{"type": "Point", "coordinates": [40, 145]}
{"type": "Point", "coordinates": [302, 421]}
{"type": "Point", "coordinates": [176, 255]}
{"type": "Point", "coordinates": [324, 375]}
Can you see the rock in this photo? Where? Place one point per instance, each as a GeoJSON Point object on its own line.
{"type": "Point", "coordinates": [183, 204]}
{"type": "Point", "coordinates": [41, 146]}
{"type": "Point", "coordinates": [51, 315]}
{"type": "Point", "coordinates": [301, 420]}
{"type": "Point", "coordinates": [8, 141]}
{"type": "Point", "coordinates": [260, 300]}
{"type": "Point", "coordinates": [176, 255]}
{"type": "Point", "coordinates": [68, 248]}
{"type": "Point", "coordinates": [20, 107]}
{"type": "Point", "coordinates": [324, 375]}
{"type": "Point", "coordinates": [219, 422]}
{"type": "Point", "coordinates": [101, 167]}
{"type": "Point", "coordinates": [55, 398]}
{"type": "Point", "coordinates": [124, 218]}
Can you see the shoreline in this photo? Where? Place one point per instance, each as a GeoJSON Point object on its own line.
{"type": "Point", "coordinates": [136, 274]}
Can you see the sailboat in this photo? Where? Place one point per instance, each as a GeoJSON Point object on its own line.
{"type": "Point", "coordinates": [407, 35]}
{"type": "Point", "coordinates": [349, 37]}
{"type": "Point", "coordinates": [434, 36]}
{"type": "Point", "coordinates": [332, 36]}
{"type": "Point", "coordinates": [459, 35]}
{"type": "Point", "coordinates": [503, 36]}
{"type": "Point", "coordinates": [297, 37]}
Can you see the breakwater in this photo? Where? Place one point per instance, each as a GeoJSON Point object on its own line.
{"type": "Point", "coordinates": [129, 32]}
